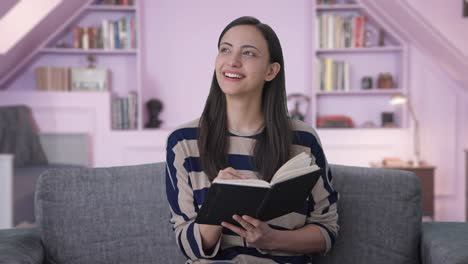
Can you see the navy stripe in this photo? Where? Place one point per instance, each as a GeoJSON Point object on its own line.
{"type": "Point", "coordinates": [172, 191]}
{"type": "Point", "coordinates": [279, 227]}
{"type": "Point", "coordinates": [330, 234]}
{"type": "Point", "coordinates": [232, 252]}
{"type": "Point", "coordinates": [307, 139]}
{"type": "Point", "coordinates": [200, 195]}
{"type": "Point", "coordinates": [252, 136]}
{"type": "Point", "coordinates": [192, 241]}
{"type": "Point", "coordinates": [187, 133]}
{"type": "Point", "coordinates": [192, 164]}
{"type": "Point", "coordinates": [227, 231]}
{"type": "Point", "coordinates": [182, 246]}
{"type": "Point", "coordinates": [240, 162]}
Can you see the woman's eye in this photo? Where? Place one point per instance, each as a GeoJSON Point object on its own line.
{"type": "Point", "coordinates": [224, 50]}
{"type": "Point", "coordinates": [249, 53]}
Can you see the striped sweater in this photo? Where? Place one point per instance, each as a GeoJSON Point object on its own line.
{"type": "Point", "coordinates": [187, 186]}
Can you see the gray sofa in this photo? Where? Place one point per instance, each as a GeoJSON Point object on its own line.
{"type": "Point", "coordinates": [120, 215]}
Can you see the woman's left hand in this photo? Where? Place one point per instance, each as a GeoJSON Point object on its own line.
{"type": "Point", "coordinates": [257, 233]}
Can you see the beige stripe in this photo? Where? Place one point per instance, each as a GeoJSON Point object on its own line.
{"type": "Point", "coordinates": [185, 243]}
{"type": "Point", "coordinates": [228, 241]}
{"type": "Point", "coordinates": [290, 221]}
{"type": "Point", "coordinates": [185, 197]}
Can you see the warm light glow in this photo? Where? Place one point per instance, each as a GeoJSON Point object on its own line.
{"type": "Point", "coordinates": [398, 99]}
{"type": "Point", "coordinates": [21, 18]}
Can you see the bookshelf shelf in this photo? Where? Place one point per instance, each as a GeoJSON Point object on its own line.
{"type": "Point", "coordinates": [372, 92]}
{"type": "Point", "coordinates": [111, 8]}
{"type": "Point", "coordinates": [89, 51]}
{"type": "Point", "coordinates": [338, 7]}
{"type": "Point", "coordinates": [360, 50]}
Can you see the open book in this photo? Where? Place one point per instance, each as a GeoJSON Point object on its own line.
{"type": "Point", "coordinates": [287, 192]}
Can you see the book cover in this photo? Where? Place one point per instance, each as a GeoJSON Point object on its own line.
{"type": "Point", "coordinates": [287, 192]}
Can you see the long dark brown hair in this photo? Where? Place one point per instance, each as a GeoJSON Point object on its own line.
{"type": "Point", "coordinates": [272, 148]}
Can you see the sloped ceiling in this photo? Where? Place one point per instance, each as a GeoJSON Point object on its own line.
{"type": "Point", "coordinates": [415, 29]}
{"type": "Point", "coordinates": [6, 5]}
{"type": "Point", "coordinates": [26, 48]}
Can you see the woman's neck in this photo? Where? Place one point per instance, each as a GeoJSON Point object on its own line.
{"type": "Point", "coordinates": [244, 116]}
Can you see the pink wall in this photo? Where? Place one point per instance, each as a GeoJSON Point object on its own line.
{"type": "Point", "coordinates": [446, 17]}
{"type": "Point", "coordinates": [180, 48]}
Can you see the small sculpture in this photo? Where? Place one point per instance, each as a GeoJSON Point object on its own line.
{"type": "Point", "coordinates": [154, 107]}
{"type": "Point", "coordinates": [299, 100]}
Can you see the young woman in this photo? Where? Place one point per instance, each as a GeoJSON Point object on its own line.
{"type": "Point", "coordinates": [245, 132]}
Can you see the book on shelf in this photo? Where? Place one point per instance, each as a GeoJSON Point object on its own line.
{"type": "Point", "coordinates": [51, 78]}
{"type": "Point", "coordinates": [124, 112]}
{"type": "Point", "coordinates": [333, 75]}
{"type": "Point", "coordinates": [287, 191]}
{"type": "Point", "coordinates": [339, 31]}
{"type": "Point", "coordinates": [118, 34]}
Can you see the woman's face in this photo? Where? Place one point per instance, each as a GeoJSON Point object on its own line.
{"type": "Point", "coordinates": [242, 64]}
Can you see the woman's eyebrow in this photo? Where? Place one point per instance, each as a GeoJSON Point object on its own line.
{"type": "Point", "coordinates": [243, 46]}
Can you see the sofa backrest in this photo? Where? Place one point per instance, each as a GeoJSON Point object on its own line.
{"type": "Point", "coordinates": [106, 215]}
{"type": "Point", "coordinates": [380, 212]}
{"type": "Point", "coordinates": [120, 215]}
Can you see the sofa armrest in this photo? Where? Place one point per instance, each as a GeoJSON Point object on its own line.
{"type": "Point", "coordinates": [21, 245]}
{"type": "Point", "coordinates": [444, 243]}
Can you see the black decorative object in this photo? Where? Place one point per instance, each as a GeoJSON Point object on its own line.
{"type": "Point", "coordinates": [465, 8]}
{"type": "Point", "coordinates": [387, 119]}
{"type": "Point", "coordinates": [154, 107]}
{"type": "Point", "coordinates": [298, 100]}
{"type": "Point", "coordinates": [366, 83]}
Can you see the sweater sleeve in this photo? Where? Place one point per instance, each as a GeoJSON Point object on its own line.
{"type": "Point", "coordinates": [323, 200]}
{"type": "Point", "coordinates": [181, 201]}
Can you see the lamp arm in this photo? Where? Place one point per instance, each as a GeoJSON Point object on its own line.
{"type": "Point", "coordinates": [416, 142]}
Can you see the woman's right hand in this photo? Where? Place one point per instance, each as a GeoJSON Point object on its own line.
{"type": "Point", "coordinates": [230, 173]}
{"type": "Point", "coordinates": [210, 233]}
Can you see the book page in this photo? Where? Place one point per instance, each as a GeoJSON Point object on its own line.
{"type": "Point", "coordinates": [247, 182]}
{"type": "Point", "coordinates": [299, 161]}
{"type": "Point", "coordinates": [290, 174]}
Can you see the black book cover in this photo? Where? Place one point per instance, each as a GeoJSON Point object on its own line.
{"type": "Point", "coordinates": [225, 200]}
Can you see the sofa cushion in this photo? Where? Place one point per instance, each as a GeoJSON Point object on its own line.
{"type": "Point", "coordinates": [24, 187]}
{"type": "Point", "coordinates": [380, 214]}
{"type": "Point", "coordinates": [114, 215]}
{"type": "Point", "coordinates": [18, 136]}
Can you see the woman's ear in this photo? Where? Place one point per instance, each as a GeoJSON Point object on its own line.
{"type": "Point", "coordinates": [273, 70]}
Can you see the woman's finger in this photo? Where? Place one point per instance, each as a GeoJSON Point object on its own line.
{"type": "Point", "coordinates": [252, 221]}
{"type": "Point", "coordinates": [234, 172]}
{"type": "Point", "coordinates": [246, 225]}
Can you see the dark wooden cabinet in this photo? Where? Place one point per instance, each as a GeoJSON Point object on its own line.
{"type": "Point", "coordinates": [426, 176]}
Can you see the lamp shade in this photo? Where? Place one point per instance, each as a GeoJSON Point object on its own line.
{"type": "Point", "coordinates": [398, 99]}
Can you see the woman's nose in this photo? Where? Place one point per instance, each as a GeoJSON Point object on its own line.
{"type": "Point", "coordinates": [235, 60]}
